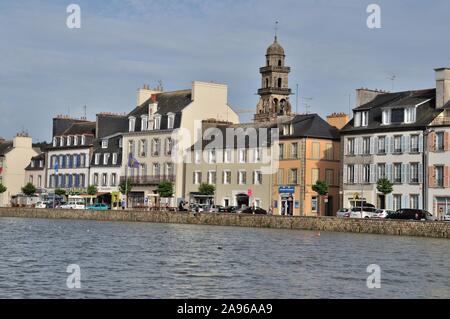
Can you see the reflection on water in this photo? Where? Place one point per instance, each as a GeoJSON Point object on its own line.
{"type": "Point", "coordinates": [140, 260]}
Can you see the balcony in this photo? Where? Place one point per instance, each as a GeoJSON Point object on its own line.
{"type": "Point", "coordinates": [270, 90]}
{"type": "Point", "coordinates": [148, 179]}
{"type": "Point", "coordinates": [281, 69]}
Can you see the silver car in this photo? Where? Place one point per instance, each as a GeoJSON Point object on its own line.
{"type": "Point", "coordinates": [344, 212]}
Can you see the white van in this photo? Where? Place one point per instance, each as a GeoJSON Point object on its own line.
{"type": "Point", "coordinates": [75, 202]}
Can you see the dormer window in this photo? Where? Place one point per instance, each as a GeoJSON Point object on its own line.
{"type": "Point", "coordinates": [61, 141]}
{"type": "Point", "coordinates": [120, 142]}
{"type": "Point", "coordinates": [131, 123]}
{"type": "Point", "coordinates": [83, 140]}
{"type": "Point", "coordinates": [386, 117]}
{"type": "Point", "coordinates": [55, 141]}
{"type": "Point", "coordinates": [157, 124]}
{"type": "Point", "coordinates": [97, 159]}
{"type": "Point", "coordinates": [32, 164]}
{"type": "Point", "coordinates": [410, 115]}
{"type": "Point", "coordinates": [170, 120]}
{"type": "Point", "coordinates": [69, 140]}
{"type": "Point", "coordinates": [144, 123]}
{"type": "Point", "coordinates": [75, 140]}
{"type": "Point", "coordinates": [105, 143]}
{"type": "Point", "coordinates": [361, 118]}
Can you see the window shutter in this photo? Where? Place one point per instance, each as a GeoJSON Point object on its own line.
{"type": "Point", "coordinates": [407, 173]}
{"type": "Point", "coordinates": [446, 176]}
{"type": "Point", "coordinates": [389, 201]}
{"type": "Point", "coordinates": [372, 145]}
{"type": "Point", "coordinates": [392, 150]}
{"type": "Point", "coordinates": [421, 143]}
{"type": "Point", "coordinates": [403, 176]}
{"type": "Point", "coordinates": [420, 201]}
{"type": "Point", "coordinates": [372, 173]}
{"type": "Point", "coordinates": [431, 142]}
{"type": "Point", "coordinates": [388, 144]}
{"type": "Point", "coordinates": [446, 146]}
{"type": "Point", "coordinates": [405, 199]}
{"type": "Point", "coordinates": [407, 144]}
{"type": "Point", "coordinates": [420, 173]}
{"type": "Point", "coordinates": [389, 172]}
{"type": "Point", "coordinates": [403, 144]}
{"type": "Point", "coordinates": [345, 174]}
{"type": "Point", "coordinates": [431, 176]}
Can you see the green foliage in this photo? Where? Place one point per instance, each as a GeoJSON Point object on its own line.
{"type": "Point", "coordinates": [60, 192]}
{"type": "Point", "coordinates": [2, 188]}
{"type": "Point", "coordinates": [385, 186]}
{"type": "Point", "coordinates": [321, 188]}
{"type": "Point", "coordinates": [165, 189]}
{"type": "Point", "coordinates": [206, 189]}
{"type": "Point", "coordinates": [92, 190]}
{"type": "Point", "coordinates": [29, 189]}
{"type": "Point", "coordinates": [125, 187]}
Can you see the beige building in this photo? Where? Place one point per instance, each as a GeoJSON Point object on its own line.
{"type": "Point", "coordinates": [15, 155]}
{"type": "Point", "coordinates": [36, 171]}
{"type": "Point", "coordinates": [156, 125]}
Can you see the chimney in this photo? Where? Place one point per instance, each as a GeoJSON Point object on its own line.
{"type": "Point", "coordinates": [338, 120]}
{"type": "Point", "coordinates": [442, 86]}
{"type": "Point", "coordinates": [145, 93]}
{"type": "Point", "coordinates": [364, 95]}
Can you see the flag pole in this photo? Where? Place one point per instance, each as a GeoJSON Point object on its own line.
{"type": "Point", "coordinates": [126, 183]}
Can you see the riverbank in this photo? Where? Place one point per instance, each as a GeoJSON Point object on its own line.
{"type": "Point", "coordinates": [333, 224]}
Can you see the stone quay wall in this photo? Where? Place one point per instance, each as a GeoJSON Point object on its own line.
{"type": "Point", "coordinates": [333, 224]}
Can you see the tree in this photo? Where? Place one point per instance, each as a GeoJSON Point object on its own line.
{"type": "Point", "coordinates": [206, 189]}
{"type": "Point", "coordinates": [125, 187]}
{"type": "Point", "coordinates": [29, 189]}
{"type": "Point", "coordinates": [2, 188]}
{"type": "Point", "coordinates": [321, 188]}
{"type": "Point", "coordinates": [165, 189]}
{"type": "Point", "coordinates": [92, 190]}
{"type": "Point", "coordinates": [385, 187]}
{"type": "Point", "coordinates": [60, 192]}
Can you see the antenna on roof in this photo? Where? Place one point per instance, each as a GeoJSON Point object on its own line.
{"type": "Point", "coordinates": [276, 30]}
{"type": "Point", "coordinates": [392, 78]}
{"type": "Point", "coordinates": [296, 100]}
{"type": "Point", "coordinates": [85, 112]}
{"type": "Point", "coordinates": [306, 104]}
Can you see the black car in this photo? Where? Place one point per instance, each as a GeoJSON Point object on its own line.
{"type": "Point", "coordinates": [410, 214]}
{"type": "Point", "coordinates": [254, 210]}
{"type": "Point", "coordinates": [231, 209]}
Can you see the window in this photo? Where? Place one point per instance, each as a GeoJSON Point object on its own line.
{"type": "Point", "coordinates": [157, 169]}
{"type": "Point", "coordinates": [212, 156]}
{"type": "Point", "coordinates": [114, 159]}
{"type": "Point", "coordinates": [104, 179]}
{"type": "Point", "coordinates": [314, 175]}
{"type": "Point", "coordinates": [227, 156]}
{"type": "Point", "coordinates": [61, 141]}
{"type": "Point", "coordinates": [397, 116]}
{"type": "Point", "coordinates": [131, 124]}
{"type": "Point", "coordinates": [169, 170]}
{"type": "Point", "coordinates": [30, 179]}
{"type": "Point", "coordinates": [226, 177]}
{"type": "Point", "coordinates": [212, 177]}
{"type": "Point", "coordinates": [329, 177]}
{"type": "Point", "coordinates": [55, 141]}
{"type": "Point", "coordinates": [157, 124]}
{"type": "Point", "coordinates": [329, 152]}
{"type": "Point", "coordinates": [257, 153]}
{"type": "Point", "coordinates": [170, 121]}
{"type": "Point", "coordinates": [242, 156]}
{"type": "Point", "coordinates": [156, 147]}
{"type": "Point", "coordinates": [293, 176]}
{"type": "Point", "coordinates": [386, 117]}
{"type": "Point", "coordinates": [381, 145]}
{"type": "Point", "coordinates": [75, 140]}
{"type": "Point", "coordinates": [280, 176]}
{"type": "Point", "coordinates": [69, 140]}
{"type": "Point", "coordinates": [357, 120]}
{"type": "Point", "coordinates": [351, 174]}
{"type": "Point", "coordinates": [381, 171]}
{"type": "Point", "coordinates": [414, 201]}
{"type": "Point", "coordinates": [439, 141]}
{"type": "Point", "coordinates": [39, 183]}
{"type": "Point", "coordinates": [120, 142]}
{"type": "Point", "coordinates": [143, 148]}
{"type": "Point", "coordinates": [197, 177]}
{"type": "Point", "coordinates": [439, 176]}
{"type": "Point", "coordinates": [414, 140]}
{"type": "Point", "coordinates": [105, 143]}
{"type": "Point", "coordinates": [32, 164]}
{"type": "Point", "coordinates": [97, 158]}
{"type": "Point", "coordinates": [281, 151]}
{"type": "Point", "coordinates": [242, 177]}
{"type": "Point", "coordinates": [198, 156]}
{"type": "Point", "coordinates": [316, 150]}
{"type": "Point", "coordinates": [106, 158]}
{"type": "Point", "coordinates": [294, 150]}
{"type": "Point", "coordinates": [414, 171]}
{"type": "Point", "coordinates": [410, 115]}
{"type": "Point", "coordinates": [397, 202]}
{"type": "Point", "coordinates": [144, 123]}
{"type": "Point", "coordinates": [366, 171]}
{"type": "Point", "coordinates": [113, 179]}
{"type": "Point", "coordinates": [96, 179]}
{"type": "Point", "coordinates": [131, 147]}
{"type": "Point", "coordinates": [366, 145]}
{"type": "Point", "coordinates": [41, 163]}
{"type": "Point", "coordinates": [257, 177]}
{"type": "Point", "coordinates": [351, 146]}
{"type": "Point", "coordinates": [314, 204]}
{"type": "Point", "coordinates": [169, 146]}
{"type": "Point", "coordinates": [83, 140]}
{"type": "Point", "coordinates": [397, 172]}
{"type": "Point", "coordinates": [365, 118]}
{"type": "Point", "coordinates": [397, 144]}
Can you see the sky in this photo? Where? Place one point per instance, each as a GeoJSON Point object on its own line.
{"type": "Point", "coordinates": [47, 69]}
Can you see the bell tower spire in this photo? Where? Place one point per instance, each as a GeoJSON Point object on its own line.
{"type": "Point", "coordinates": [274, 92]}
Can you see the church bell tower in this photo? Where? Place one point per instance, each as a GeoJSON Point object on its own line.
{"type": "Point", "coordinates": [274, 92]}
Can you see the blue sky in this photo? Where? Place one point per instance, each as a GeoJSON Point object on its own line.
{"type": "Point", "coordinates": [47, 69]}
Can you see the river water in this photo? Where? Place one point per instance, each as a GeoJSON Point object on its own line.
{"type": "Point", "coordinates": [142, 260]}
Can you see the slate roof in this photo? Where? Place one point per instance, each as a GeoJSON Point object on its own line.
{"type": "Point", "coordinates": [87, 128]}
{"type": "Point", "coordinates": [109, 124]}
{"type": "Point", "coordinates": [36, 160]}
{"type": "Point", "coordinates": [312, 126]}
{"type": "Point", "coordinates": [113, 147]}
{"type": "Point", "coordinates": [5, 147]}
{"type": "Point", "coordinates": [426, 112]}
{"type": "Point", "coordinates": [168, 102]}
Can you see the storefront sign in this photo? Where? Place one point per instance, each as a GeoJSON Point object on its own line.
{"type": "Point", "coordinates": [286, 189]}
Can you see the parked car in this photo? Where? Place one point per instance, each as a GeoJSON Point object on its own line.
{"type": "Point", "coordinates": [364, 212]}
{"type": "Point", "coordinates": [41, 205]}
{"type": "Point", "coordinates": [254, 210]}
{"type": "Point", "coordinates": [344, 212]}
{"type": "Point", "coordinates": [383, 213]}
{"type": "Point", "coordinates": [231, 209]}
{"type": "Point", "coordinates": [411, 214]}
{"type": "Point", "coordinates": [447, 216]}
{"type": "Point", "coordinates": [98, 206]}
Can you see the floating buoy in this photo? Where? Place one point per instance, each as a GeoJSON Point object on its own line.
{"type": "Point", "coordinates": [219, 247]}
{"type": "Point", "coordinates": [318, 234]}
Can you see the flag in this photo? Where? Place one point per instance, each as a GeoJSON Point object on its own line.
{"type": "Point", "coordinates": [1, 170]}
{"type": "Point", "coordinates": [132, 162]}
